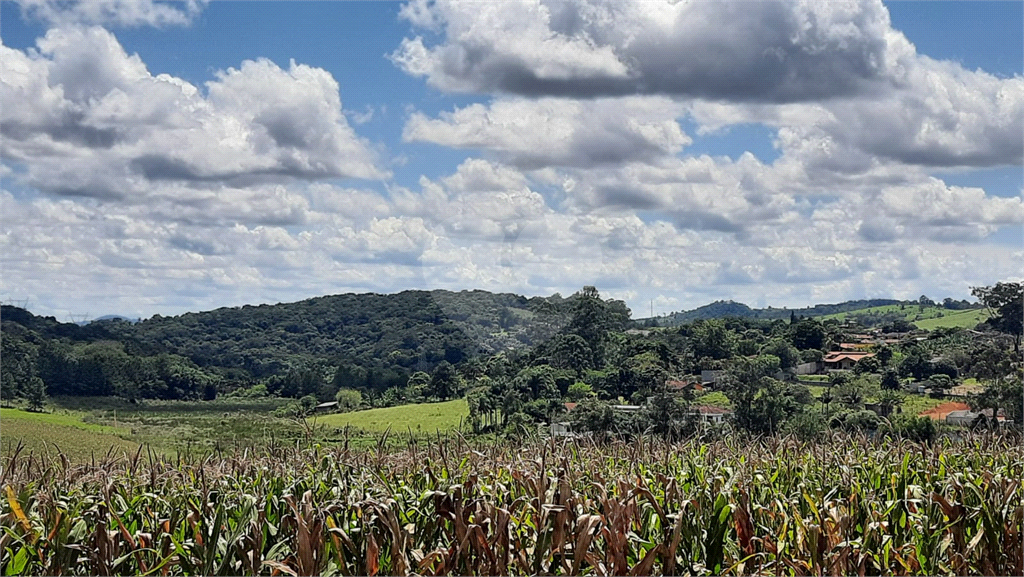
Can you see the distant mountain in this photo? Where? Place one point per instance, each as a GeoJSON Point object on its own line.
{"type": "Point", "coordinates": [724, 309]}
{"type": "Point", "coordinates": [111, 318]}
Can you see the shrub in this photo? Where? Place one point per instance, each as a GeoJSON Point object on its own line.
{"type": "Point", "coordinates": [348, 399]}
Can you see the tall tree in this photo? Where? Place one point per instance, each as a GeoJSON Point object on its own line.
{"type": "Point", "coordinates": [1005, 304]}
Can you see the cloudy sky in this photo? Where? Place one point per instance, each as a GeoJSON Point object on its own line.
{"type": "Point", "coordinates": [161, 158]}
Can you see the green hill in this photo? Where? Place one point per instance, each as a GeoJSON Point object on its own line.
{"type": "Point", "coordinates": [928, 317]}
{"type": "Point", "coordinates": [723, 309]}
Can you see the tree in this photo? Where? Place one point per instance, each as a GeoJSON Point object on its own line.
{"type": "Point", "coordinates": [667, 416]}
{"type": "Point", "coordinates": [1005, 304]}
{"type": "Point", "coordinates": [867, 365]}
{"type": "Point", "coordinates": [579, 391]}
{"type": "Point", "coordinates": [36, 394]}
{"type": "Point", "coordinates": [417, 385]}
{"type": "Point", "coordinates": [444, 382]}
{"type": "Point", "coordinates": [348, 399]}
{"type": "Point", "coordinates": [712, 339]}
{"type": "Point", "coordinates": [884, 354]}
{"type": "Point", "coordinates": [788, 355]}
{"type": "Point", "coordinates": [1006, 394]}
{"type": "Point", "coordinates": [571, 352]}
{"type": "Point", "coordinates": [809, 334]}
{"type": "Point", "coordinates": [851, 394]}
{"type": "Point", "coordinates": [890, 380]}
{"type": "Point", "coordinates": [760, 403]}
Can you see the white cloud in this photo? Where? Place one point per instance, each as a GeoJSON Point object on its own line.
{"type": "Point", "coordinates": [128, 13]}
{"type": "Point", "coordinates": [87, 119]}
{"type": "Point", "coordinates": [763, 51]}
{"type": "Point", "coordinates": [559, 132]}
{"type": "Point", "coordinates": [862, 96]}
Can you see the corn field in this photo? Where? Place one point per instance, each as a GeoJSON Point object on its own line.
{"type": "Point", "coordinates": [770, 507]}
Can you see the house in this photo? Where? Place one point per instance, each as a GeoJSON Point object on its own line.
{"type": "Point", "coordinates": [710, 413]}
{"type": "Point", "coordinates": [812, 368]}
{"type": "Point", "coordinates": [1000, 417]}
{"type": "Point", "coordinates": [962, 418]}
{"type": "Point", "coordinates": [843, 360]}
{"type": "Point", "coordinates": [678, 386]}
{"type": "Point", "coordinates": [966, 418]}
{"type": "Point", "coordinates": [710, 377]}
{"type": "Point", "coordinates": [327, 407]}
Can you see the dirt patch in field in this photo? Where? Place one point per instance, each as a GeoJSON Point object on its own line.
{"type": "Point", "coordinates": [939, 412]}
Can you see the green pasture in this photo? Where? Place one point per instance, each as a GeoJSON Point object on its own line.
{"type": "Point", "coordinates": [48, 432]}
{"type": "Point", "coordinates": [426, 418]}
{"type": "Point", "coordinates": [928, 318]}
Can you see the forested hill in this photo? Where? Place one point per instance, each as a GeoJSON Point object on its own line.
{"type": "Point", "coordinates": [723, 309]}
{"type": "Point", "coordinates": [411, 329]}
{"type": "Point", "coordinates": [369, 340]}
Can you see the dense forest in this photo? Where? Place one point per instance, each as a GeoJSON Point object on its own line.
{"type": "Point", "coordinates": [363, 341]}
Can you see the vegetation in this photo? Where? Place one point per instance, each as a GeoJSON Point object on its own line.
{"type": "Point", "coordinates": [774, 506]}
{"type": "Point", "coordinates": [421, 419]}
{"type": "Point", "coordinates": [229, 466]}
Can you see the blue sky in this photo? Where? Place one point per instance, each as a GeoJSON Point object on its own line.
{"type": "Point", "coordinates": [159, 158]}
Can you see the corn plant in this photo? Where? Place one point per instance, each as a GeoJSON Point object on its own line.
{"type": "Point", "coordinates": [850, 505]}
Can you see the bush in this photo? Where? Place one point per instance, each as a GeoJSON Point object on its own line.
{"type": "Point", "coordinates": [348, 399]}
{"type": "Point", "coordinates": [805, 426]}
{"type": "Point", "coordinates": [919, 429]}
{"type": "Point", "coordinates": [852, 420]}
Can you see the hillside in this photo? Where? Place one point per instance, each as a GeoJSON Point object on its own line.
{"type": "Point", "coordinates": [412, 329]}
{"type": "Point", "coordinates": [928, 317]}
{"type": "Point", "coordinates": [378, 340]}
{"type": "Point", "coordinates": [723, 309]}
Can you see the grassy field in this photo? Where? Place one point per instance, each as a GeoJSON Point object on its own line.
{"type": "Point", "coordinates": [68, 433]}
{"type": "Point", "coordinates": [426, 418]}
{"type": "Point", "coordinates": [81, 426]}
{"type": "Point", "coordinates": [965, 319]}
{"type": "Point", "coordinates": [930, 318]}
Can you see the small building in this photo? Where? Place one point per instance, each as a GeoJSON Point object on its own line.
{"type": "Point", "coordinates": [709, 378]}
{"type": "Point", "coordinates": [682, 385]}
{"type": "Point", "coordinates": [1000, 417]}
{"type": "Point", "coordinates": [626, 408]}
{"type": "Point", "coordinates": [327, 407]}
{"type": "Point", "coordinates": [844, 360]}
{"type": "Point", "coordinates": [561, 429]}
{"type": "Point", "coordinates": [962, 418]}
{"type": "Point", "coordinates": [711, 413]}
{"type": "Point", "coordinates": [811, 368]}
{"type": "Point", "coordinates": [883, 409]}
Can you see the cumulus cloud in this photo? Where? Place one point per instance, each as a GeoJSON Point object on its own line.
{"type": "Point", "coordinates": [858, 93]}
{"type": "Point", "coordinates": [87, 119]}
{"type": "Point", "coordinates": [762, 51]}
{"type": "Point", "coordinates": [559, 132]}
